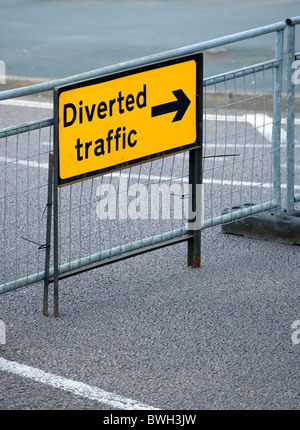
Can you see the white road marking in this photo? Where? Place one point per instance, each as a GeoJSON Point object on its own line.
{"type": "Point", "coordinates": [27, 103]}
{"type": "Point", "coordinates": [264, 125]}
{"type": "Point", "coordinates": [260, 122]}
{"type": "Point", "coordinates": [210, 117]}
{"type": "Point", "coordinates": [237, 145]}
{"type": "Point", "coordinates": [74, 387]}
{"type": "Point", "coordinates": [296, 166]}
{"type": "Point", "coordinates": [155, 177]}
{"type": "Point", "coordinates": [24, 162]}
{"type": "Point", "coordinates": [205, 181]}
{"type": "Point", "coordinates": [243, 118]}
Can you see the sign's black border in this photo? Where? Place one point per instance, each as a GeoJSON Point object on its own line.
{"type": "Point", "coordinates": [197, 57]}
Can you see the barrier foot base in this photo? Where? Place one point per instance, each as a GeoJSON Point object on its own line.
{"type": "Point", "coordinates": [284, 228]}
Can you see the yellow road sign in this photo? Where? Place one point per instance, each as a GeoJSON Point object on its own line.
{"type": "Point", "coordinates": [127, 118]}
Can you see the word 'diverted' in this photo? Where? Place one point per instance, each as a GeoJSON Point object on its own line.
{"type": "Point", "coordinates": [117, 105]}
{"type": "Point", "coordinates": [115, 140]}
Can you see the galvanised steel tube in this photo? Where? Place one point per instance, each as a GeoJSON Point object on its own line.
{"type": "Point", "coordinates": [136, 63]}
{"type": "Point", "coordinates": [46, 122]}
{"type": "Point", "coordinates": [113, 252]}
{"type": "Point", "coordinates": [276, 135]}
{"type": "Point", "coordinates": [119, 250]}
{"type": "Point", "coordinates": [293, 21]}
{"type": "Point", "coordinates": [202, 46]}
{"type": "Point", "coordinates": [240, 214]}
{"type": "Point", "coordinates": [22, 282]}
{"type": "Point", "coordinates": [244, 71]}
{"type": "Point", "coordinates": [290, 116]}
{"type": "Point", "coordinates": [25, 128]}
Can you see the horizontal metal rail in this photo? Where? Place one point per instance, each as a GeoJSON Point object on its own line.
{"type": "Point", "coordinates": [292, 55]}
{"type": "Point", "coordinates": [25, 128]}
{"type": "Point", "coordinates": [191, 49]}
{"type": "Point", "coordinates": [245, 71]}
{"type": "Point", "coordinates": [95, 258]}
{"type": "Point", "coordinates": [238, 73]}
{"type": "Point", "coordinates": [75, 266]}
{"type": "Point", "coordinates": [293, 21]}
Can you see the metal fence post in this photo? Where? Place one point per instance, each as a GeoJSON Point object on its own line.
{"type": "Point", "coordinates": [276, 135]}
{"type": "Point", "coordinates": [48, 235]}
{"type": "Point", "coordinates": [195, 178]}
{"type": "Point", "coordinates": [66, 264]}
{"type": "Point", "coordinates": [290, 114]}
{"type": "Point", "coordinates": [55, 215]}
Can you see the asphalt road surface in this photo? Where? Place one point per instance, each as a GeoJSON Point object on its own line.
{"type": "Point", "coordinates": [148, 332]}
{"type": "Point", "coordinates": [152, 332]}
{"type": "Point", "coordinates": [62, 38]}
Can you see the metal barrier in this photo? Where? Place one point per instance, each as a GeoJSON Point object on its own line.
{"type": "Point", "coordinates": [292, 81]}
{"type": "Point", "coordinates": [241, 171]}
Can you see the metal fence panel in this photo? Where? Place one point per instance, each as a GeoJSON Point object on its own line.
{"type": "Point", "coordinates": [241, 175]}
{"type": "Point", "coordinates": [293, 58]}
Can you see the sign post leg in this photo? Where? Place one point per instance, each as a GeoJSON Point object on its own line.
{"type": "Point", "coordinates": [48, 235]}
{"type": "Point", "coordinates": [55, 239]}
{"type": "Point", "coordinates": [195, 178]}
{"type": "Point", "coordinates": [55, 215]}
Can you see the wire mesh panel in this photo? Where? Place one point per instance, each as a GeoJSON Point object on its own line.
{"type": "Point", "coordinates": [147, 204]}
{"type": "Point", "coordinates": [293, 115]}
{"type": "Point", "coordinates": [101, 215]}
{"type": "Point", "coordinates": [238, 134]}
{"type": "Point", "coordinates": [296, 142]}
{"type": "Point", "coordinates": [23, 198]}
{"type": "Point", "coordinates": [98, 217]}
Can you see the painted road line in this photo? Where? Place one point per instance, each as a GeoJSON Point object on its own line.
{"type": "Point", "coordinates": [208, 117]}
{"type": "Point", "coordinates": [26, 163]}
{"type": "Point", "coordinates": [260, 121]}
{"type": "Point", "coordinates": [27, 103]}
{"type": "Point", "coordinates": [264, 125]}
{"type": "Point", "coordinates": [71, 386]}
{"type": "Point", "coordinates": [157, 177]}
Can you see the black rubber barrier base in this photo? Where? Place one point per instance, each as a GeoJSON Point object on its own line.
{"type": "Point", "coordinates": [284, 228]}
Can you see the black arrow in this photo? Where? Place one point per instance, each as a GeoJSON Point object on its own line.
{"type": "Point", "coordinates": [180, 105]}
